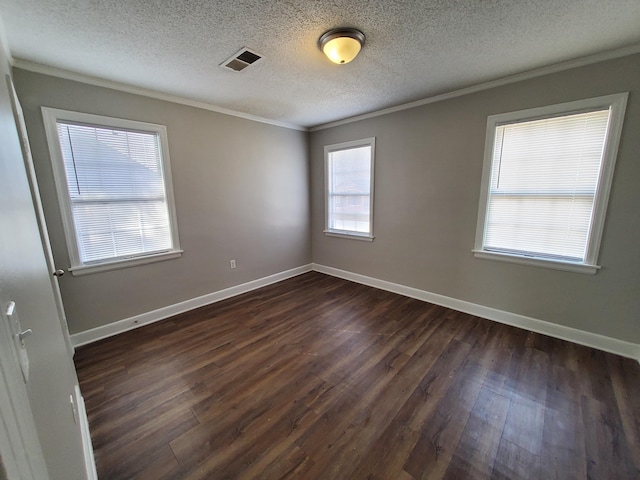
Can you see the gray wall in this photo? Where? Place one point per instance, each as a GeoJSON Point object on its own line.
{"type": "Point", "coordinates": [427, 186]}
{"type": "Point", "coordinates": [241, 189]}
{"type": "Point", "coordinates": [25, 279]}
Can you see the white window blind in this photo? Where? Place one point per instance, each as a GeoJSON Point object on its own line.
{"type": "Point", "coordinates": [349, 188]}
{"type": "Point", "coordinates": [114, 187]}
{"type": "Point", "coordinates": [117, 193]}
{"type": "Point", "coordinates": [546, 182]}
{"type": "Point", "coordinates": [544, 178]}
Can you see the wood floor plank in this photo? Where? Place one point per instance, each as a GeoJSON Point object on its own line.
{"type": "Point", "coordinates": [625, 379]}
{"type": "Point", "coordinates": [513, 462]}
{"type": "Point", "coordinates": [479, 442]}
{"type": "Point", "coordinates": [525, 419]}
{"type": "Point", "coordinates": [292, 464]}
{"type": "Point", "coordinates": [606, 449]}
{"type": "Point", "coordinates": [563, 451]}
{"type": "Point", "coordinates": [441, 432]}
{"type": "Point", "coordinates": [164, 466]}
{"type": "Point", "coordinates": [321, 378]}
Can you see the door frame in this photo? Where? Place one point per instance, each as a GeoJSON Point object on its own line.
{"type": "Point", "coordinates": [21, 126]}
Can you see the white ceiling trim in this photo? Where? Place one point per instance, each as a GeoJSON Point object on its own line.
{"type": "Point", "coordinates": [123, 87]}
{"type": "Point", "coordinates": [557, 67]}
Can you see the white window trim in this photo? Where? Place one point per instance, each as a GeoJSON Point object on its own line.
{"type": "Point", "coordinates": [51, 116]}
{"type": "Point", "coordinates": [617, 102]}
{"type": "Point", "coordinates": [331, 232]}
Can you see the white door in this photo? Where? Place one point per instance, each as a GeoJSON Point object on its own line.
{"type": "Point", "coordinates": [43, 421]}
{"type": "Point", "coordinates": [20, 449]}
{"type": "Point", "coordinates": [37, 203]}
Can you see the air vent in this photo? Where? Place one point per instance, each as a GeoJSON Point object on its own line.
{"type": "Point", "coordinates": [241, 60]}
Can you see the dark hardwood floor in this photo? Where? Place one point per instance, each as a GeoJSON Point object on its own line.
{"type": "Point", "coordinates": [320, 378]}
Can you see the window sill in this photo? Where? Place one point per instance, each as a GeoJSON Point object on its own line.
{"type": "Point", "coordinates": [538, 262]}
{"type": "Point", "coordinates": [352, 235]}
{"type": "Point", "coordinates": [124, 263]}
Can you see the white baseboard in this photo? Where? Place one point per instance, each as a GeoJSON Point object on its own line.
{"type": "Point", "coordinates": [120, 326]}
{"type": "Point", "coordinates": [594, 340]}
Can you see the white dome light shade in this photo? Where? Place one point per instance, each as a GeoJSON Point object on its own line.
{"type": "Point", "coordinates": [342, 45]}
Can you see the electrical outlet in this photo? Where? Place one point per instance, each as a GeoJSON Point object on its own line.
{"type": "Point", "coordinates": [232, 263]}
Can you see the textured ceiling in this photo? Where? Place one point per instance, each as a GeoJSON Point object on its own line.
{"type": "Point", "coordinates": [413, 50]}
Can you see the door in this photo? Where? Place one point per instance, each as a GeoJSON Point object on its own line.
{"type": "Point", "coordinates": [37, 203]}
{"type": "Point", "coordinates": [20, 449]}
{"type": "Point", "coordinates": [43, 429]}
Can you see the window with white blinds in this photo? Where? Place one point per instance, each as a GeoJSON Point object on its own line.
{"type": "Point", "coordinates": [349, 188]}
{"type": "Point", "coordinates": [546, 182]}
{"type": "Point", "coordinates": [113, 179]}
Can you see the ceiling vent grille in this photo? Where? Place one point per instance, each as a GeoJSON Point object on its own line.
{"type": "Point", "coordinates": [241, 60]}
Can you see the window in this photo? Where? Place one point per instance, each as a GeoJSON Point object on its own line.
{"type": "Point", "coordinates": [546, 181]}
{"type": "Point", "coordinates": [349, 189]}
{"type": "Point", "coordinates": [113, 180]}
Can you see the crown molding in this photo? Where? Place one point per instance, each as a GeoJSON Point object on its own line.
{"type": "Point", "coordinates": [557, 67]}
{"type": "Point", "coordinates": [538, 72]}
{"type": "Point", "coordinates": [123, 87]}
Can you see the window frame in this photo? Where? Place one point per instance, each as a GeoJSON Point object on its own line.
{"type": "Point", "coordinates": [617, 103]}
{"type": "Point", "coordinates": [51, 116]}
{"type": "Point", "coordinates": [328, 149]}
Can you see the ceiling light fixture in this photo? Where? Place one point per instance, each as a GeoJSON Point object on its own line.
{"type": "Point", "coordinates": [341, 45]}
